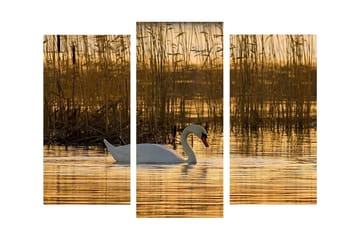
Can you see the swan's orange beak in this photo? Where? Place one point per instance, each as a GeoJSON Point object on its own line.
{"type": "Point", "coordinates": [203, 139]}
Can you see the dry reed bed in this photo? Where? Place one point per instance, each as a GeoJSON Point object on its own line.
{"type": "Point", "coordinates": [273, 81]}
{"type": "Point", "coordinates": [179, 77]}
{"type": "Point", "coordinates": [86, 88]}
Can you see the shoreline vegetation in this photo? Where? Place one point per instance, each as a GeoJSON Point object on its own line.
{"type": "Point", "coordinates": [273, 82]}
{"type": "Point", "coordinates": [179, 78]}
{"type": "Point", "coordinates": [86, 89]}
{"type": "Point", "coordinates": [179, 82]}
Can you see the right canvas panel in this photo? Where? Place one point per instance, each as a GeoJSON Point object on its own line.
{"type": "Point", "coordinates": [273, 119]}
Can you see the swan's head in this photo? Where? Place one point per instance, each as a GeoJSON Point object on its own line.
{"type": "Point", "coordinates": [200, 132]}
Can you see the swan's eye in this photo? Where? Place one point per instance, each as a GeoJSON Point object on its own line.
{"type": "Point", "coordinates": [203, 135]}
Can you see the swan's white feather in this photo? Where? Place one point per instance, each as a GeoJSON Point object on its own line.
{"type": "Point", "coordinates": [120, 153]}
{"type": "Point", "coordinates": [146, 154]}
{"type": "Point", "coordinates": [158, 154]}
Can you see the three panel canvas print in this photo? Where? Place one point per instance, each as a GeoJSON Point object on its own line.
{"type": "Point", "coordinates": [179, 119]}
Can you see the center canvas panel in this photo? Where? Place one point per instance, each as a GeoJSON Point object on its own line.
{"type": "Point", "coordinates": [179, 119]}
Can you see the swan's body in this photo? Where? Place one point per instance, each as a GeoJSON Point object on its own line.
{"type": "Point", "coordinates": [159, 154]}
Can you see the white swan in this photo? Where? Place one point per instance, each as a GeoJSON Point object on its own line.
{"type": "Point", "coordinates": [159, 154]}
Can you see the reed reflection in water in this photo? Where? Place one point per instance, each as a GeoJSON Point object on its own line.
{"type": "Point", "coordinates": [183, 190]}
{"type": "Point", "coordinates": [273, 167]}
{"type": "Point", "coordinates": [84, 176]}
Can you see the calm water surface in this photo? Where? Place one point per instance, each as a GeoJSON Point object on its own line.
{"type": "Point", "coordinates": [184, 190]}
{"type": "Point", "coordinates": [84, 176]}
{"type": "Point", "coordinates": [273, 167]}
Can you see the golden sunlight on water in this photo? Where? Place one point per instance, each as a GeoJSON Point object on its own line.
{"type": "Point", "coordinates": [79, 176]}
{"type": "Point", "coordinates": [273, 168]}
{"type": "Point", "coordinates": [183, 190]}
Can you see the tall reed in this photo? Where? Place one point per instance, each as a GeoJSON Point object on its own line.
{"type": "Point", "coordinates": [179, 77]}
{"type": "Point", "coordinates": [86, 88]}
{"type": "Point", "coordinates": [273, 81]}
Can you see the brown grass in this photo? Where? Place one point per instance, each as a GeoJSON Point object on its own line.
{"type": "Point", "coordinates": [273, 81]}
{"type": "Point", "coordinates": [86, 88]}
{"type": "Point", "coordinates": [179, 77]}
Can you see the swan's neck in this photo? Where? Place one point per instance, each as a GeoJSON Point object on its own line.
{"type": "Point", "coordinates": [188, 150]}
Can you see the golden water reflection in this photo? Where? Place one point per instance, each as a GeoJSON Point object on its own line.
{"type": "Point", "coordinates": [273, 168]}
{"type": "Point", "coordinates": [84, 176]}
{"type": "Point", "coordinates": [184, 190]}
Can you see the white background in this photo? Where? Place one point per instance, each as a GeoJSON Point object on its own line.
{"type": "Point", "coordinates": [23, 215]}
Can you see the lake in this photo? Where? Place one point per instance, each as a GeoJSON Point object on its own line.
{"type": "Point", "coordinates": [77, 175]}
{"type": "Point", "coordinates": [184, 190]}
{"type": "Point", "coordinates": [273, 167]}
{"type": "Point", "coordinates": [84, 176]}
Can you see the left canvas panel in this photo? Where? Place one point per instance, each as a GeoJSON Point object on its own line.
{"type": "Point", "coordinates": [86, 100]}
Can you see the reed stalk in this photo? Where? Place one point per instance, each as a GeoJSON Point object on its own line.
{"type": "Point", "coordinates": [179, 77]}
{"type": "Point", "coordinates": [86, 88]}
{"type": "Point", "coordinates": [273, 81]}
